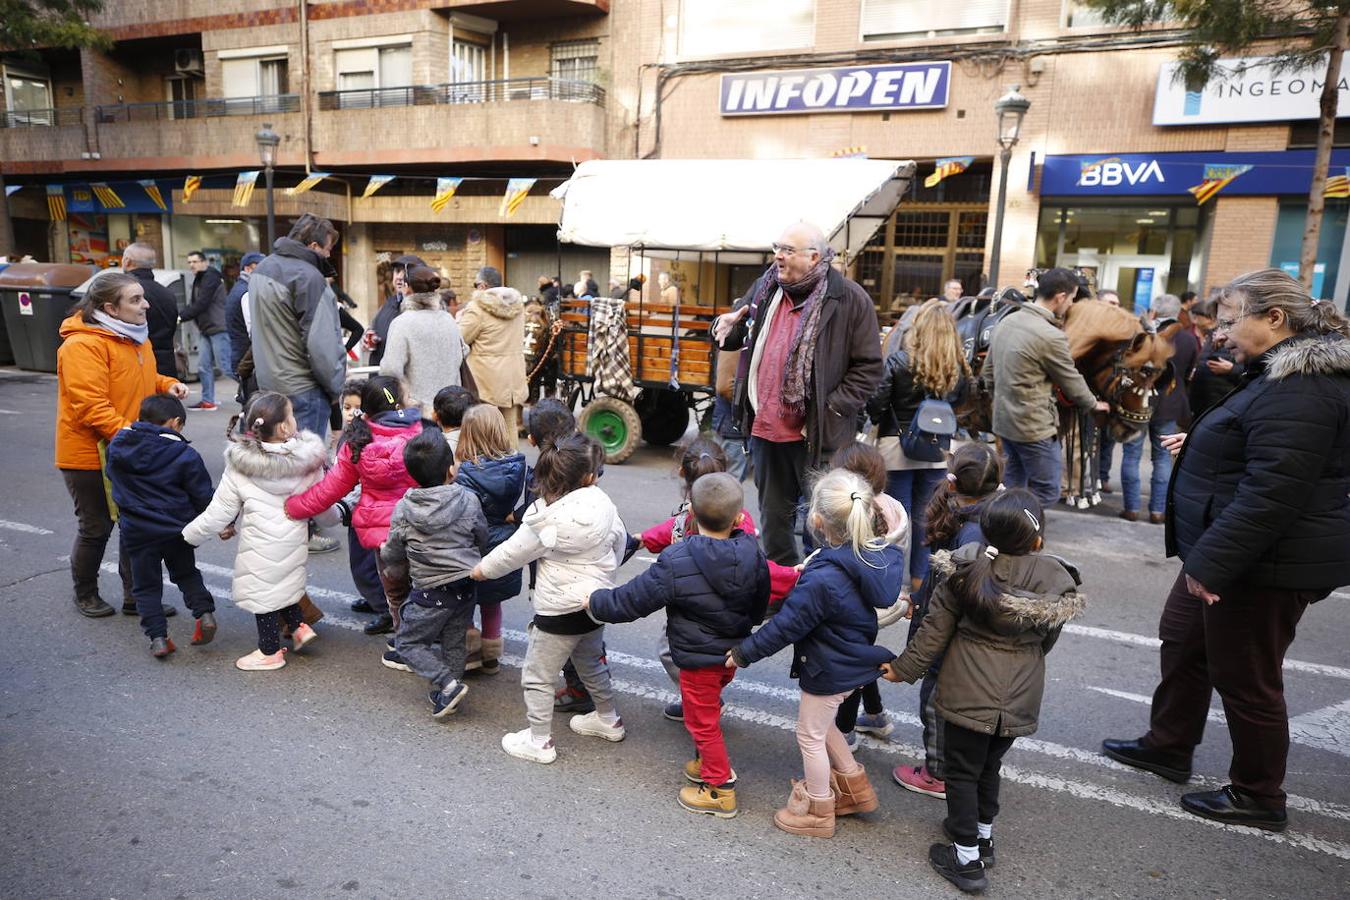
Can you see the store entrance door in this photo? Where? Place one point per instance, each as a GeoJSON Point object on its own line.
{"type": "Point", "coordinates": [1138, 279]}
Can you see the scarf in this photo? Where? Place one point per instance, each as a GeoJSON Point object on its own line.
{"type": "Point", "coordinates": [800, 363]}
{"type": "Point", "coordinates": [138, 333]}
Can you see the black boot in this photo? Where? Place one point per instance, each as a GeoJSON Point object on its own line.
{"type": "Point", "coordinates": [382, 625]}
{"type": "Point", "coordinates": [161, 647]}
{"type": "Point", "coordinates": [93, 607]}
{"type": "Point", "coordinates": [968, 877]}
{"type": "Point", "coordinates": [361, 606]}
{"type": "Point", "coordinates": [1234, 807]}
{"type": "Point", "coordinates": [1134, 753]}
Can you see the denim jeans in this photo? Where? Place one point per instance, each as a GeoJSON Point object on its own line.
{"type": "Point", "coordinates": [311, 410]}
{"type": "Point", "coordinates": [212, 351]}
{"type": "Point", "coordinates": [738, 458]}
{"type": "Point", "coordinates": [1034, 466]}
{"type": "Point", "coordinates": [914, 488]}
{"type": "Point", "coordinates": [1130, 455]}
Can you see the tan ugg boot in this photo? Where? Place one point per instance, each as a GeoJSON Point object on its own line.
{"type": "Point", "coordinates": [473, 647]}
{"type": "Point", "coordinates": [308, 611]}
{"type": "Point", "coordinates": [492, 654]}
{"type": "Point", "coordinates": [852, 793]}
{"type": "Point", "coordinates": [806, 815]}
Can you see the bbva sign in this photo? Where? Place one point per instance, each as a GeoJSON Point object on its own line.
{"type": "Point", "coordinates": [1113, 172]}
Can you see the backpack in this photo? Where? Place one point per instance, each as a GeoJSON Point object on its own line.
{"type": "Point", "coordinates": [928, 436]}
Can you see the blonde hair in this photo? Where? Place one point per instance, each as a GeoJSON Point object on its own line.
{"type": "Point", "coordinates": [1257, 293]}
{"type": "Point", "coordinates": [483, 434]}
{"type": "Point", "coordinates": [842, 502]}
{"type": "Point", "coordinates": [936, 358]}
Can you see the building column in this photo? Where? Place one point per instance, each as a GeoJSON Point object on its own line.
{"type": "Point", "coordinates": [1240, 237]}
{"type": "Point", "coordinates": [1019, 222]}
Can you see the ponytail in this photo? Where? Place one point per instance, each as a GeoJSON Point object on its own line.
{"type": "Point", "coordinates": [843, 504]}
{"type": "Point", "coordinates": [973, 472]}
{"type": "Point", "coordinates": [381, 393]}
{"type": "Point", "coordinates": [564, 466]}
{"type": "Point", "coordinates": [1012, 523]}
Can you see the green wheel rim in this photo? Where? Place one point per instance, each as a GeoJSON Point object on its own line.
{"type": "Point", "coordinates": [609, 429]}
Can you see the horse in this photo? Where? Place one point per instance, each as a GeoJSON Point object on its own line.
{"type": "Point", "coordinates": [542, 360]}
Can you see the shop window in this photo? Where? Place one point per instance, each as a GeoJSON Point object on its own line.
{"type": "Point", "coordinates": [717, 27]}
{"type": "Point", "coordinates": [908, 261]}
{"type": "Point", "coordinates": [922, 229]}
{"type": "Point", "coordinates": [574, 60]}
{"type": "Point", "coordinates": [891, 20]}
{"type": "Point", "coordinates": [1285, 249]}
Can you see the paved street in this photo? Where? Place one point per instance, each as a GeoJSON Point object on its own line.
{"type": "Point", "coordinates": [129, 777]}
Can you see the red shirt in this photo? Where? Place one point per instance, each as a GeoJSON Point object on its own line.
{"type": "Point", "coordinates": [772, 421]}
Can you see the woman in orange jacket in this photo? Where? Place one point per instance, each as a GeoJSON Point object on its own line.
{"type": "Point", "coordinates": [105, 367]}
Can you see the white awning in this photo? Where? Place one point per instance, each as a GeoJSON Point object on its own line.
{"type": "Point", "coordinates": [727, 204]}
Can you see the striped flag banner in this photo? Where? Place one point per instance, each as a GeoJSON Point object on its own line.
{"type": "Point", "coordinates": [311, 179]}
{"type": "Point", "coordinates": [375, 183]}
{"type": "Point", "coordinates": [56, 202]}
{"type": "Point", "coordinates": [946, 167]}
{"type": "Point", "coordinates": [107, 197]}
{"type": "Point", "coordinates": [1216, 179]}
{"type": "Point", "coordinates": [850, 153]}
{"type": "Point", "coordinates": [445, 189]}
{"type": "Point", "coordinates": [152, 191]}
{"type": "Point", "coordinates": [1338, 186]}
{"type": "Point", "coordinates": [11, 188]}
{"type": "Point", "coordinates": [516, 191]}
{"type": "Point", "coordinates": [243, 187]}
{"type": "Point", "coordinates": [190, 185]}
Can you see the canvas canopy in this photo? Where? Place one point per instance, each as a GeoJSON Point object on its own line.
{"type": "Point", "coordinates": [727, 204]}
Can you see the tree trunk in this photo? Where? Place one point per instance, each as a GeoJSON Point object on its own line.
{"type": "Point", "coordinates": [7, 247]}
{"type": "Point", "coordinates": [1312, 228]}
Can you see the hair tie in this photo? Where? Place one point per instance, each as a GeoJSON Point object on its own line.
{"type": "Point", "coordinates": [1034, 522]}
{"type": "Point", "coordinates": [1001, 487]}
{"type": "Point", "coordinates": [1315, 302]}
{"type": "Point", "coordinates": [389, 397]}
{"type": "Point", "coordinates": [257, 423]}
{"type": "Point", "coordinates": [358, 414]}
{"type": "Point", "coordinates": [991, 551]}
{"type": "Point", "coordinates": [951, 477]}
{"type": "Point", "coordinates": [705, 455]}
{"type": "Point", "coordinates": [855, 496]}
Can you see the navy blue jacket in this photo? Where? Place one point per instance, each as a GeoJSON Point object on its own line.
{"type": "Point", "coordinates": [968, 533]}
{"type": "Point", "coordinates": [830, 618]}
{"type": "Point", "coordinates": [499, 485]}
{"type": "Point", "coordinates": [714, 591]}
{"type": "Point", "coordinates": [240, 342]}
{"type": "Point", "coordinates": [159, 483]}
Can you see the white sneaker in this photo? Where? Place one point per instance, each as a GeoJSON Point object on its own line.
{"type": "Point", "coordinates": [521, 745]}
{"type": "Point", "coordinates": [257, 661]}
{"type": "Point", "coordinates": [592, 725]}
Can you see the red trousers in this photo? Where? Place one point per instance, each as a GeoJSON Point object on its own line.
{"type": "Point", "coordinates": [701, 694]}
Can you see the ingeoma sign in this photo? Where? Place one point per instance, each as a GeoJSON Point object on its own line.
{"type": "Point", "coordinates": [885, 88]}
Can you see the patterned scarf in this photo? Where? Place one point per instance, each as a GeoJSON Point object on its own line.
{"type": "Point", "coordinates": [801, 359]}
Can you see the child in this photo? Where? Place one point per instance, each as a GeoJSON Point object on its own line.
{"type": "Point", "coordinates": [371, 455]}
{"type": "Point", "coordinates": [831, 618]}
{"type": "Point", "coordinates": [974, 473]}
{"type": "Point", "coordinates": [891, 523]}
{"type": "Point", "coordinates": [576, 534]}
{"type": "Point", "coordinates": [997, 609]}
{"type": "Point", "coordinates": [449, 407]}
{"type": "Point", "coordinates": [493, 470]}
{"type": "Point", "coordinates": [438, 529]}
{"type": "Point", "coordinates": [159, 484]}
{"type": "Point", "coordinates": [266, 461]}
{"type": "Point", "coordinates": [360, 560]}
{"type": "Point", "coordinates": [715, 587]}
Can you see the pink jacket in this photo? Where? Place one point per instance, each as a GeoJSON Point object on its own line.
{"type": "Point", "coordinates": [382, 476]}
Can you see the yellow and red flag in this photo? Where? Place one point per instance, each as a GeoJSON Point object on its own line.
{"type": "Point", "coordinates": [107, 197]}
{"type": "Point", "coordinates": [445, 189]}
{"type": "Point", "coordinates": [310, 180]}
{"type": "Point", "coordinates": [376, 182]}
{"type": "Point", "coordinates": [517, 189]}
{"type": "Point", "coordinates": [190, 185]}
{"type": "Point", "coordinates": [946, 167]}
{"type": "Point", "coordinates": [1338, 186]}
{"type": "Point", "coordinates": [243, 187]}
{"type": "Point", "coordinates": [1216, 179]}
{"type": "Point", "coordinates": [152, 191]}
{"type": "Point", "coordinates": [56, 202]}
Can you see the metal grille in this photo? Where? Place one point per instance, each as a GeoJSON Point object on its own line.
{"type": "Point", "coordinates": [970, 230]}
{"type": "Point", "coordinates": [464, 92]}
{"type": "Point", "coordinates": [918, 276]}
{"type": "Point", "coordinates": [922, 229]}
{"type": "Point", "coordinates": [575, 60]}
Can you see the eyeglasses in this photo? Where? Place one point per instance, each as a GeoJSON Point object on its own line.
{"type": "Point", "coordinates": [788, 249]}
{"type": "Point", "coordinates": [1227, 324]}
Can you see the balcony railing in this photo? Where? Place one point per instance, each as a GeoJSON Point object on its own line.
{"type": "Point", "coordinates": [196, 109]}
{"type": "Point", "coordinates": [41, 118]}
{"type": "Point", "coordinates": [465, 92]}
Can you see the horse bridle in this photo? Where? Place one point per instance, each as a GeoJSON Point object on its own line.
{"type": "Point", "coordinates": [1120, 382]}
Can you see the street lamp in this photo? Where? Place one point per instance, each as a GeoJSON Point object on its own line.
{"type": "Point", "coordinates": [1011, 108]}
{"type": "Point", "coordinates": [267, 152]}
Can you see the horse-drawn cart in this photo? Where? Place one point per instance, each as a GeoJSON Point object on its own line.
{"type": "Point", "coordinates": [638, 365]}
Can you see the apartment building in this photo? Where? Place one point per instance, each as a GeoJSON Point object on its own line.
{"type": "Point", "coordinates": [488, 90]}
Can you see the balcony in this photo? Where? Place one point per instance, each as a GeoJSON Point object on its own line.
{"type": "Point", "coordinates": [532, 10]}
{"type": "Point", "coordinates": [37, 141]}
{"type": "Point", "coordinates": [42, 118]}
{"type": "Point", "coordinates": [174, 110]}
{"type": "Point", "coordinates": [465, 92]}
{"type": "Point", "coordinates": [202, 134]}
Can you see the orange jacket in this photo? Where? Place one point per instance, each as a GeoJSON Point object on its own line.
{"type": "Point", "coordinates": [101, 379]}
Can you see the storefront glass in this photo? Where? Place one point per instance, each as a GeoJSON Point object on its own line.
{"type": "Point", "coordinates": [1288, 243]}
{"type": "Point", "coordinates": [222, 239]}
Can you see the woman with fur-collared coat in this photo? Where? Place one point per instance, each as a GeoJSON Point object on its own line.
{"type": "Point", "coordinates": [1258, 509]}
{"type": "Point", "coordinates": [493, 325]}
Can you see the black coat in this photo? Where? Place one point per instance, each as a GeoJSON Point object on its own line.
{"type": "Point", "coordinates": [714, 591]}
{"type": "Point", "coordinates": [898, 396]}
{"type": "Point", "coordinates": [234, 322]}
{"type": "Point", "coordinates": [159, 483]}
{"type": "Point", "coordinates": [1260, 494]}
{"type": "Point", "coordinates": [162, 317]}
{"type": "Point", "coordinates": [384, 317]}
{"type": "Point", "coordinates": [207, 302]}
{"type": "Point", "coordinates": [1207, 388]}
{"type": "Point", "coordinates": [1175, 406]}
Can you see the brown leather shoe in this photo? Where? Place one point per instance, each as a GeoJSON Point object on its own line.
{"type": "Point", "coordinates": [852, 793]}
{"type": "Point", "coordinates": [1156, 518]}
{"type": "Point", "coordinates": [806, 815]}
{"type": "Point", "coordinates": [1129, 515]}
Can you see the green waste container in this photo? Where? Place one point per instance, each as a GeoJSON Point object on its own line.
{"type": "Point", "coordinates": [35, 298]}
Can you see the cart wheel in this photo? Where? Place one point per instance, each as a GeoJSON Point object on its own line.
{"type": "Point", "coordinates": [614, 424]}
{"type": "Point", "coordinates": [664, 415]}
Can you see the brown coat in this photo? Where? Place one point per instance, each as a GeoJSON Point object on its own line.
{"type": "Point", "coordinates": [993, 675]}
{"type": "Point", "coordinates": [493, 325]}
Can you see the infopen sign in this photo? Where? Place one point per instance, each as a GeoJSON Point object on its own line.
{"type": "Point", "coordinates": [886, 88]}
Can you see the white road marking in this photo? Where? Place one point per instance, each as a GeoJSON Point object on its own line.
{"type": "Point", "coordinates": [1214, 715]}
{"type": "Point", "coordinates": [25, 528]}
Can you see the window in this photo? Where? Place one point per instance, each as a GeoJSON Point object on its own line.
{"type": "Point", "coordinates": [255, 76]}
{"type": "Point", "coordinates": [719, 27]}
{"type": "Point", "coordinates": [574, 60]}
{"type": "Point", "coordinates": [468, 62]}
{"type": "Point", "coordinates": [891, 20]}
{"type": "Point", "coordinates": [181, 92]}
{"type": "Point", "coordinates": [384, 73]}
{"type": "Point", "coordinates": [28, 99]}
{"type": "Point", "coordinates": [1077, 15]}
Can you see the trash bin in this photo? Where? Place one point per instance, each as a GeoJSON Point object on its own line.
{"type": "Point", "coordinates": [35, 298]}
{"type": "Point", "coordinates": [6, 352]}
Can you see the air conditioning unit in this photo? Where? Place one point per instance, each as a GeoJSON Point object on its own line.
{"type": "Point", "coordinates": [188, 62]}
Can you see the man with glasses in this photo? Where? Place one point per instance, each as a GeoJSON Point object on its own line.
{"type": "Point", "coordinates": [378, 332]}
{"type": "Point", "coordinates": [207, 308]}
{"type": "Point", "coordinates": [810, 358]}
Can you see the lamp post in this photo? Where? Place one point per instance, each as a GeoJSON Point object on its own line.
{"type": "Point", "coordinates": [1010, 109]}
{"type": "Point", "coordinates": [267, 152]}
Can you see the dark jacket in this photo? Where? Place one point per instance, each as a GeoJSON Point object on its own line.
{"type": "Point", "coordinates": [296, 343]}
{"type": "Point", "coordinates": [159, 483]}
{"type": "Point", "coordinates": [440, 531]}
{"type": "Point", "coordinates": [234, 321]}
{"type": "Point", "coordinates": [384, 317]}
{"type": "Point", "coordinates": [897, 397]}
{"type": "Point", "coordinates": [162, 317]}
{"type": "Point", "coordinates": [499, 484]}
{"type": "Point", "coordinates": [993, 677]}
{"type": "Point", "coordinates": [1208, 388]}
{"type": "Point", "coordinates": [1258, 494]}
{"type": "Point", "coordinates": [968, 532]}
{"type": "Point", "coordinates": [846, 370]}
{"type": "Point", "coordinates": [714, 591]}
{"type": "Point", "coordinates": [1175, 405]}
{"type": "Point", "coordinates": [206, 303]}
{"type": "Point", "coordinates": [831, 619]}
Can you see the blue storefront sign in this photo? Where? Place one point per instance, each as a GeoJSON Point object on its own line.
{"type": "Point", "coordinates": [1160, 174]}
{"type": "Point", "coordinates": [886, 88]}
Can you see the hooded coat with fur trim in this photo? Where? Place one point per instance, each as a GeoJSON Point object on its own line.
{"type": "Point", "coordinates": [269, 568]}
{"type": "Point", "coordinates": [1260, 493]}
{"type": "Point", "coordinates": [424, 348]}
{"type": "Point", "coordinates": [493, 325]}
{"type": "Point", "coordinates": [993, 676]}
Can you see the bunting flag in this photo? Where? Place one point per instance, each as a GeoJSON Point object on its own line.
{"type": "Point", "coordinates": [850, 153]}
{"type": "Point", "coordinates": [106, 195]}
{"type": "Point", "coordinates": [56, 202]}
{"type": "Point", "coordinates": [152, 191]}
{"type": "Point", "coordinates": [11, 188]}
{"type": "Point", "coordinates": [376, 182]}
{"type": "Point", "coordinates": [516, 191]}
{"type": "Point", "coordinates": [243, 187]}
{"type": "Point", "coordinates": [311, 179]}
{"type": "Point", "coordinates": [946, 167]}
{"type": "Point", "coordinates": [190, 185]}
{"type": "Point", "coordinates": [445, 189]}
{"type": "Point", "coordinates": [1338, 186]}
{"type": "Point", "coordinates": [1216, 179]}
